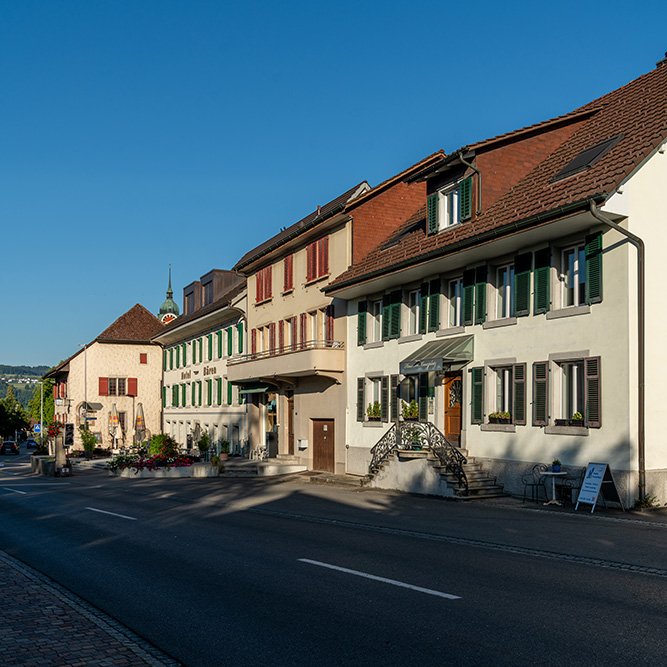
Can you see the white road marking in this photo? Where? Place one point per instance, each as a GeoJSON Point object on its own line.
{"type": "Point", "coordinates": [15, 491]}
{"type": "Point", "coordinates": [122, 516]}
{"type": "Point", "coordinates": [393, 582]}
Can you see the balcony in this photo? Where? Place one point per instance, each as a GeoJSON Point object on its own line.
{"type": "Point", "coordinates": [315, 357]}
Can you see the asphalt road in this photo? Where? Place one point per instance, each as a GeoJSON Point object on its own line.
{"type": "Point", "coordinates": [250, 572]}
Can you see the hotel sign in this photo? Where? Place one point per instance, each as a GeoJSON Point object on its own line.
{"type": "Point", "coordinates": [421, 366]}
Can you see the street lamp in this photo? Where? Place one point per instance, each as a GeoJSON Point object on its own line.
{"type": "Point", "coordinates": [85, 383]}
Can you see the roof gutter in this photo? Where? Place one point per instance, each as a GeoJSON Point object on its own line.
{"type": "Point", "coordinates": [294, 234]}
{"type": "Point", "coordinates": [461, 245]}
{"type": "Point", "coordinates": [641, 340]}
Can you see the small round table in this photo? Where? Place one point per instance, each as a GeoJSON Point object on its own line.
{"type": "Point", "coordinates": [553, 475]}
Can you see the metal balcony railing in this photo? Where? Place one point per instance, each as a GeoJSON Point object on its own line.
{"type": "Point", "coordinates": [287, 349]}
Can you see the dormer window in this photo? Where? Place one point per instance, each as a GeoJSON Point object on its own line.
{"type": "Point", "coordinates": [449, 206]}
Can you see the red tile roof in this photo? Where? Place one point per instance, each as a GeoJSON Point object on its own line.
{"type": "Point", "coordinates": [137, 325]}
{"type": "Point", "coordinates": [637, 111]}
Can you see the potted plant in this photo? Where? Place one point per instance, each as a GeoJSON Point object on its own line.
{"type": "Point", "coordinates": [577, 419]}
{"type": "Point", "coordinates": [374, 411]}
{"type": "Point", "coordinates": [204, 444]}
{"type": "Point", "coordinates": [215, 460]}
{"type": "Point", "coordinates": [500, 418]}
{"type": "Point", "coordinates": [224, 450]}
{"type": "Point", "coordinates": [410, 411]}
{"type": "Point", "coordinates": [555, 465]}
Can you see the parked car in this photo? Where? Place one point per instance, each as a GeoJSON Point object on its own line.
{"type": "Point", "coordinates": [31, 444]}
{"type": "Point", "coordinates": [9, 447]}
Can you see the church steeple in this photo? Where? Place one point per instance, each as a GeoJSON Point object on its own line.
{"type": "Point", "coordinates": [169, 309]}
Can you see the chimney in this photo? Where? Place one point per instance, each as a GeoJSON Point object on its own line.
{"type": "Point", "coordinates": [663, 61]}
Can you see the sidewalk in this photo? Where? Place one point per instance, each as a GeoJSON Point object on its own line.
{"type": "Point", "coordinates": [44, 625]}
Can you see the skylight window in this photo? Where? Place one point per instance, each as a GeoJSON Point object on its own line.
{"type": "Point", "coordinates": [586, 159]}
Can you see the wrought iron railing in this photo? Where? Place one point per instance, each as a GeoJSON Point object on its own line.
{"type": "Point", "coordinates": [420, 435]}
{"type": "Point", "coordinates": [287, 349]}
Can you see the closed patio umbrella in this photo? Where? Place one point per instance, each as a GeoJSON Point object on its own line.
{"type": "Point", "coordinates": [140, 424]}
{"type": "Point", "coordinates": [114, 426]}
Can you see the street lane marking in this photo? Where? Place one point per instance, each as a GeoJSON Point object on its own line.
{"type": "Point", "coordinates": [122, 516]}
{"type": "Point", "coordinates": [15, 490]}
{"type": "Point", "coordinates": [393, 582]}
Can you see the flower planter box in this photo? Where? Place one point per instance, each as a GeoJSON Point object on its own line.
{"type": "Point", "coordinates": [500, 420]}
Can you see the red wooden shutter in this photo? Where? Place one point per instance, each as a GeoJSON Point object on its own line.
{"type": "Point", "coordinates": [311, 261]}
{"type": "Point", "coordinates": [281, 335]}
{"type": "Point", "coordinates": [304, 329]}
{"type": "Point", "coordinates": [268, 285]}
{"type": "Point", "coordinates": [132, 386]}
{"type": "Point", "coordinates": [323, 256]}
{"type": "Point", "coordinates": [55, 391]}
{"type": "Point", "coordinates": [143, 358]}
{"type": "Point", "coordinates": [293, 340]}
{"type": "Point", "coordinates": [328, 329]}
{"type": "Point", "coordinates": [253, 341]}
{"type": "Point", "coordinates": [272, 338]}
{"type": "Point", "coordinates": [104, 387]}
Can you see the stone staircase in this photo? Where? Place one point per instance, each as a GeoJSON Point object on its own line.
{"type": "Point", "coordinates": [424, 474]}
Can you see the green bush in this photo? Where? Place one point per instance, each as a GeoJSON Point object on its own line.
{"type": "Point", "coordinates": [164, 445]}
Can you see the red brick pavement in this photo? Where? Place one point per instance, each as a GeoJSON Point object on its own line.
{"type": "Point", "coordinates": [44, 625]}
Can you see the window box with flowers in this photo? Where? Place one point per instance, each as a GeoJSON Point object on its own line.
{"type": "Point", "coordinates": [500, 418]}
{"type": "Point", "coordinates": [374, 411]}
{"type": "Point", "coordinates": [410, 411]}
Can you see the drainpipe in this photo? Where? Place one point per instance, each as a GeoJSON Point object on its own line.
{"type": "Point", "coordinates": [641, 343]}
{"type": "Point", "coordinates": [479, 182]}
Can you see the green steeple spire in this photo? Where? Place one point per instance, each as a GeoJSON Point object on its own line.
{"type": "Point", "coordinates": [169, 309]}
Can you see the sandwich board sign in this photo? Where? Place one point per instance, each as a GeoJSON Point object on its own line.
{"type": "Point", "coordinates": [598, 479]}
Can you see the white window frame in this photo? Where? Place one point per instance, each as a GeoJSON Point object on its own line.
{"type": "Point", "coordinates": [504, 282]}
{"type": "Point", "coordinates": [576, 298]}
{"type": "Point", "coordinates": [448, 206]}
{"type": "Point", "coordinates": [375, 311]}
{"type": "Point", "coordinates": [572, 394]}
{"type": "Point", "coordinates": [454, 302]}
{"type": "Point", "coordinates": [503, 389]}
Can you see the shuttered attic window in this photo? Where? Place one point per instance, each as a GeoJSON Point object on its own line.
{"type": "Point", "coordinates": [586, 159]}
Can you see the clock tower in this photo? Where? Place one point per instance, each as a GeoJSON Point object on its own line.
{"type": "Point", "coordinates": [169, 310]}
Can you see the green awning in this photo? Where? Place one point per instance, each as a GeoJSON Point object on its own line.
{"type": "Point", "coordinates": [254, 388]}
{"type": "Point", "coordinates": [453, 353]}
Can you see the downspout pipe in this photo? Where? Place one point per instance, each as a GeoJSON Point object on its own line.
{"type": "Point", "coordinates": [479, 182]}
{"type": "Point", "coordinates": [641, 340]}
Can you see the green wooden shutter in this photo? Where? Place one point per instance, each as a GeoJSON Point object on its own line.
{"type": "Point", "coordinates": [199, 392]}
{"type": "Point", "coordinates": [593, 388]}
{"type": "Point", "coordinates": [594, 268]}
{"type": "Point", "coordinates": [183, 395]}
{"type": "Point", "coordinates": [519, 394]}
{"type": "Point", "coordinates": [239, 328]}
{"type": "Point", "coordinates": [362, 309]}
{"type": "Point", "coordinates": [522, 270]}
{"type": "Point", "coordinates": [171, 359]}
{"type": "Point", "coordinates": [185, 354]}
{"type": "Point", "coordinates": [230, 341]}
{"type": "Point", "coordinates": [395, 316]}
{"type": "Point", "coordinates": [174, 395]}
{"type": "Point", "coordinates": [209, 391]}
{"type": "Point", "coordinates": [164, 360]}
{"type": "Point", "coordinates": [468, 297]}
{"type": "Point", "coordinates": [540, 393]}
{"type": "Point", "coordinates": [193, 396]}
{"type": "Point", "coordinates": [219, 338]}
{"type": "Point", "coordinates": [423, 308]}
{"type": "Point", "coordinates": [218, 383]}
{"type": "Point", "coordinates": [434, 305]}
{"type": "Point", "coordinates": [480, 295]}
{"type": "Point", "coordinates": [164, 396]}
{"type": "Point", "coordinates": [393, 398]}
{"type": "Point", "coordinates": [542, 278]}
{"type": "Point", "coordinates": [432, 213]}
{"type": "Point", "coordinates": [230, 389]}
{"type": "Point", "coordinates": [210, 347]}
{"type": "Point", "coordinates": [465, 199]}
{"type": "Point", "coordinates": [423, 396]}
{"type": "Point", "coordinates": [386, 316]}
{"type": "Point", "coordinates": [178, 356]}
{"type": "Point", "coordinates": [361, 408]}
{"type": "Point", "coordinates": [384, 398]}
{"type": "Point", "coordinates": [477, 395]}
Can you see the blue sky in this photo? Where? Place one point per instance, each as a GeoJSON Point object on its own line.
{"type": "Point", "coordinates": [140, 133]}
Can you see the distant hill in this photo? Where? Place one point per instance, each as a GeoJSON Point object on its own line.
{"type": "Point", "coordinates": [24, 371]}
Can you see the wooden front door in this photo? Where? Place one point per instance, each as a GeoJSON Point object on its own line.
{"type": "Point", "coordinates": [453, 395]}
{"type": "Point", "coordinates": [323, 444]}
{"type": "Point", "coordinates": [290, 423]}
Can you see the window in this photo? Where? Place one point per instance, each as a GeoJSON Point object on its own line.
{"type": "Point", "coordinates": [208, 293]}
{"type": "Point", "coordinates": [505, 293]}
{"type": "Point", "coordinates": [317, 259]}
{"type": "Point", "coordinates": [454, 292]}
{"type": "Point", "coordinates": [449, 206]}
{"type": "Point", "coordinates": [573, 276]}
{"type": "Point", "coordinates": [373, 398]}
{"type": "Point", "coordinates": [122, 421]}
{"type": "Point", "coordinates": [288, 273]}
{"type": "Point", "coordinates": [376, 320]}
{"type": "Point", "coordinates": [504, 390]}
{"type": "Point", "coordinates": [572, 388]}
{"type": "Point", "coordinates": [413, 311]}
{"type": "Point", "coordinates": [263, 284]}
{"type": "Point", "coordinates": [115, 386]}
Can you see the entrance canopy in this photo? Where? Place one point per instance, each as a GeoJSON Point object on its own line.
{"type": "Point", "coordinates": [254, 388]}
{"type": "Point", "coordinates": [445, 354]}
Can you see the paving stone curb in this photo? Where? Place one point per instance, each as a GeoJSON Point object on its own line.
{"type": "Point", "coordinates": [55, 643]}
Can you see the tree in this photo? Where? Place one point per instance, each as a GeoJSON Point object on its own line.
{"type": "Point", "coordinates": [13, 416]}
{"type": "Point", "coordinates": [49, 407]}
